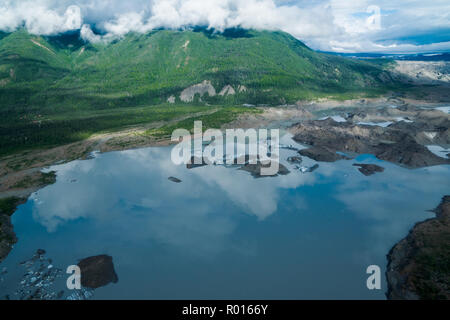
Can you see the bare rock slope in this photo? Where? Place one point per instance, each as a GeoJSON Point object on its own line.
{"type": "Point", "coordinates": [419, 265]}
{"type": "Point", "coordinates": [423, 72]}
{"type": "Point", "coordinates": [402, 142]}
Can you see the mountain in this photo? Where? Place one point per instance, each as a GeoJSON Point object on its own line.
{"type": "Point", "coordinates": [63, 78]}
{"type": "Point", "coordinates": [148, 68]}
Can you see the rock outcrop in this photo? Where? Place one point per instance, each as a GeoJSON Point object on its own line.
{"type": "Point", "coordinates": [176, 180]}
{"type": "Point", "coordinates": [423, 72]}
{"type": "Point", "coordinates": [323, 154]}
{"type": "Point", "coordinates": [171, 99]}
{"type": "Point", "coordinates": [227, 91]}
{"type": "Point", "coordinates": [419, 265]}
{"type": "Point", "coordinates": [394, 144]}
{"type": "Point", "coordinates": [295, 160]}
{"type": "Point", "coordinates": [242, 89]}
{"type": "Point", "coordinates": [368, 169]}
{"type": "Point", "coordinates": [97, 271]}
{"type": "Point", "coordinates": [7, 236]}
{"type": "Point", "coordinates": [188, 94]}
{"type": "Point", "coordinates": [255, 170]}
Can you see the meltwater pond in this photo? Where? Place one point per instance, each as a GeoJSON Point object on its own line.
{"type": "Point", "coordinates": [221, 233]}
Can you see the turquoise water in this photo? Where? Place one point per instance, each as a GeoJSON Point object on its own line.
{"type": "Point", "coordinates": [222, 234]}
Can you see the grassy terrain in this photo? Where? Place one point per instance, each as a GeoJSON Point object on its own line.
{"type": "Point", "coordinates": [8, 205]}
{"type": "Point", "coordinates": [43, 179]}
{"type": "Point", "coordinates": [210, 121]}
{"type": "Point", "coordinates": [57, 90]}
{"type": "Point", "coordinates": [431, 260]}
{"type": "Point", "coordinates": [57, 129]}
{"type": "Point", "coordinates": [433, 268]}
{"type": "Point", "coordinates": [7, 238]}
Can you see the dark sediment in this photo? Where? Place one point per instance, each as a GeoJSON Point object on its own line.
{"type": "Point", "coordinates": [394, 144]}
{"type": "Point", "coordinates": [97, 271]}
{"type": "Point", "coordinates": [295, 160]}
{"type": "Point", "coordinates": [9, 205]}
{"type": "Point", "coordinates": [176, 180]}
{"type": "Point", "coordinates": [322, 154]}
{"type": "Point", "coordinates": [369, 169]}
{"type": "Point", "coordinates": [7, 236]}
{"type": "Point", "coordinates": [419, 265]}
{"type": "Point", "coordinates": [196, 162]}
{"type": "Point", "coordinates": [255, 170]}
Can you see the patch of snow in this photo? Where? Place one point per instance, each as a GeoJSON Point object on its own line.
{"type": "Point", "coordinates": [398, 119]}
{"type": "Point", "coordinates": [430, 135]}
{"type": "Point", "coordinates": [380, 124]}
{"type": "Point", "coordinates": [335, 118]}
{"type": "Point", "coordinates": [439, 151]}
{"type": "Point", "coordinates": [444, 109]}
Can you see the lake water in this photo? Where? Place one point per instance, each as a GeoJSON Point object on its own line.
{"type": "Point", "coordinates": [222, 234]}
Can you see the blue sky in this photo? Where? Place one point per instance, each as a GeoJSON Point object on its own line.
{"type": "Point", "coordinates": [394, 26]}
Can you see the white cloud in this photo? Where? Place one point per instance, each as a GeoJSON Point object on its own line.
{"type": "Point", "coordinates": [38, 18]}
{"type": "Point", "coordinates": [88, 35]}
{"type": "Point", "coordinates": [222, 14]}
{"type": "Point", "coordinates": [338, 25]}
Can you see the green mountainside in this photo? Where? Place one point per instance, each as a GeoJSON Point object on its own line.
{"type": "Point", "coordinates": [62, 82]}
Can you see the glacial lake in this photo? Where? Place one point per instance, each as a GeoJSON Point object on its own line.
{"type": "Point", "coordinates": [221, 233]}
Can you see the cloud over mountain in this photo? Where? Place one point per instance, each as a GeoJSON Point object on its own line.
{"type": "Point", "coordinates": [344, 25]}
{"type": "Point", "coordinates": [39, 19]}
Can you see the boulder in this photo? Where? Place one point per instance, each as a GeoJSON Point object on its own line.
{"type": "Point", "coordinates": [368, 169]}
{"type": "Point", "coordinates": [97, 271]}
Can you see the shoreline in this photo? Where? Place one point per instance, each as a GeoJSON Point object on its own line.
{"type": "Point", "coordinates": [418, 264]}
{"type": "Point", "coordinates": [20, 174]}
{"type": "Point", "coordinates": [16, 186]}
